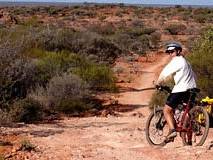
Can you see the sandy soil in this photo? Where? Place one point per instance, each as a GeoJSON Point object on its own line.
{"type": "Point", "coordinates": [111, 137]}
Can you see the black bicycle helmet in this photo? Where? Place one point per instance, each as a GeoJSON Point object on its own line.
{"type": "Point", "coordinates": [173, 46]}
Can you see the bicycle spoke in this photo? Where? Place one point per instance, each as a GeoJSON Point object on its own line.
{"type": "Point", "coordinates": [156, 128]}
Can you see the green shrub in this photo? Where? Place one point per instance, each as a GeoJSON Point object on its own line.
{"type": "Point", "coordinates": [36, 53]}
{"type": "Point", "coordinates": [26, 145]}
{"type": "Point", "coordinates": [140, 31]}
{"type": "Point", "coordinates": [100, 77]}
{"type": "Point", "coordinates": [51, 64]}
{"type": "Point", "coordinates": [201, 60]}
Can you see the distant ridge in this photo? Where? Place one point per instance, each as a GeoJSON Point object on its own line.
{"type": "Point", "coordinates": [9, 3]}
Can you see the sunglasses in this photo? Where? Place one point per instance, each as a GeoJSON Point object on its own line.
{"type": "Point", "coordinates": [170, 51]}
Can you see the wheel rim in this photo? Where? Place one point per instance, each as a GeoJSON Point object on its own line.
{"type": "Point", "coordinates": [157, 128]}
{"type": "Point", "coordinates": [200, 126]}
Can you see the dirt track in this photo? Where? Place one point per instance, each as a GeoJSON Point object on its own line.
{"type": "Point", "coordinates": [112, 137]}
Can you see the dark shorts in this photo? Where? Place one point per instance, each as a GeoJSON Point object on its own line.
{"type": "Point", "coordinates": [177, 98]}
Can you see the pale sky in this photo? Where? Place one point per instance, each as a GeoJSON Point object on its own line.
{"type": "Point", "coordinates": [180, 2]}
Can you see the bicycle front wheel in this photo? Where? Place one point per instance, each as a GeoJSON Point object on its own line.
{"type": "Point", "coordinates": [199, 122]}
{"type": "Point", "coordinates": [156, 128]}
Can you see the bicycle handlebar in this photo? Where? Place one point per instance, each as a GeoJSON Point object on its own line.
{"type": "Point", "coordinates": [163, 88]}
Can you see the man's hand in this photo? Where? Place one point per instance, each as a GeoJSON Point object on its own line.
{"type": "Point", "coordinates": [157, 83]}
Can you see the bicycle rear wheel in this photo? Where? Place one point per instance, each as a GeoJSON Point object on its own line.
{"type": "Point", "coordinates": [199, 122]}
{"type": "Point", "coordinates": [156, 128]}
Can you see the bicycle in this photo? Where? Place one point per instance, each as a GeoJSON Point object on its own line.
{"type": "Point", "coordinates": [191, 121]}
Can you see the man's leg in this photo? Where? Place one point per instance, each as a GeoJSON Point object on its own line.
{"type": "Point", "coordinates": [169, 116]}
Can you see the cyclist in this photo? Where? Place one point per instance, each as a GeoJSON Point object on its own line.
{"type": "Point", "coordinates": [184, 79]}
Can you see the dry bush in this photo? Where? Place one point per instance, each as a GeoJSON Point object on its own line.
{"type": "Point", "coordinates": [16, 71]}
{"type": "Point", "coordinates": [137, 23]}
{"type": "Point", "coordinates": [84, 43]}
{"type": "Point", "coordinates": [159, 97]}
{"type": "Point", "coordinates": [155, 39]}
{"type": "Point", "coordinates": [17, 78]}
{"type": "Point", "coordinates": [5, 117]}
{"type": "Point", "coordinates": [175, 29]}
{"type": "Point", "coordinates": [84, 13]}
{"type": "Point", "coordinates": [203, 15]}
{"type": "Point", "coordinates": [39, 94]}
{"type": "Point", "coordinates": [123, 40]}
{"type": "Point", "coordinates": [26, 110]}
{"type": "Point", "coordinates": [106, 29]}
{"type": "Point", "coordinates": [138, 31]}
{"type": "Point", "coordinates": [103, 49]}
{"type": "Point", "coordinates": [66, 86]}
{"type": "Point", "coordinates": [66, 93]}
{"type": "Point", "coordinates": [25, 64]}
{"type": "Point", "coordinates": [138, 40]}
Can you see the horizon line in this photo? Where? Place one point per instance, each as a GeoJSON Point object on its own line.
{"type": "Point", "coordinates": [65, 2]}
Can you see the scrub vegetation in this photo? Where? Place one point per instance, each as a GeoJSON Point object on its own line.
{"type": "Point", "coordinates": [56, 59]}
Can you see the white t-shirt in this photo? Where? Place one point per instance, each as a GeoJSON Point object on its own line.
{"type": "Point", "coordinates": [184, 77]}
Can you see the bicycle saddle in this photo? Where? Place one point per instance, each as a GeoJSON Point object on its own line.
{"type": "Point", "coordinates": [194, 90]}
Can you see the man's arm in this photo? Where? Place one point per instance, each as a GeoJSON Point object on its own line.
{"type": "Point", "coordinates": [168, 70]}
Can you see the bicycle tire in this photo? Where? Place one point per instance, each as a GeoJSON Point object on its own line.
{"type": "Point", "coordinates": [147, 130]}
{"type": "Point", "coordinates": [194, 120]}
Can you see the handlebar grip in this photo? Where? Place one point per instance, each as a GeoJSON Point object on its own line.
{"type": "Point", "coordinates": [161, 88]}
